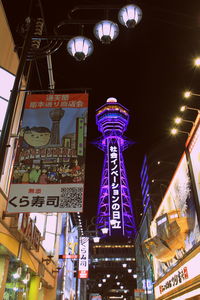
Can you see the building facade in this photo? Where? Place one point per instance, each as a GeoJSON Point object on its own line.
{"type": "Point", "coordinates": [173, 245]}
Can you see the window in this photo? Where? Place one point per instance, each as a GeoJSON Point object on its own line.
{"type": "Point", "coordinates": [6, 85]}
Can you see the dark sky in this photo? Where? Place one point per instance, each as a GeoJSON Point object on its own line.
{"type": "Point", "coordinates": [145, 68]}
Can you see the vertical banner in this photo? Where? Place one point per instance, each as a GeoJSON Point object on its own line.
{"type": "Point", "coordinates": [49, 166]}
{"type": "Point", "coordinates": [115, 187]}
{"type": "Point", "coordinates": [83, 257]}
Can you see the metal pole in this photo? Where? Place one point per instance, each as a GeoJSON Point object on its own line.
{"type": "Point", "coordinates": [6, 130]}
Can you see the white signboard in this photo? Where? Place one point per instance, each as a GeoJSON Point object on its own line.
{"type": "Point", "coordinates": [185, 273]}
{"type": "Point", "coordinates": [44, 198]}
{"type": "Point", "coordinates": [83, 257]}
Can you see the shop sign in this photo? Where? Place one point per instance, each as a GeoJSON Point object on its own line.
{"type": "Point", "coordinates": [187, 272]}
{"type": "Point", "coordinates": [30, 232]}
{"type": "Point", "coordinates": [83, 257]}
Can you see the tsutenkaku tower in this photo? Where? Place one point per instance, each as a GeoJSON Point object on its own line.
{"type": "Point", "coordinates": [115, 205]}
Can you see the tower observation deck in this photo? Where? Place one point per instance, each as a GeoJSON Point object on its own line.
{"type": "Point", "coordinates": [115, 209]}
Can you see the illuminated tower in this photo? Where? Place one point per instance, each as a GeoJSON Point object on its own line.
{"type": "Point", "coordinates": [115, 205]}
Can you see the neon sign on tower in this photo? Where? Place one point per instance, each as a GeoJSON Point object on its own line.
{"type": "Point", "coordinates": [115, 205]}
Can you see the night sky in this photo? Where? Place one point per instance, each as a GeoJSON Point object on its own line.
{"type": "Point", "coordinates": [146, 68]}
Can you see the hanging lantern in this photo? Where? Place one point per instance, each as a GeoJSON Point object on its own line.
{"type": "Point", "coordinates": [130, 15]}
{"type": "Point", "coordinates": [80, 47]}
{"type": "Point", "coordinates": [106, 31]}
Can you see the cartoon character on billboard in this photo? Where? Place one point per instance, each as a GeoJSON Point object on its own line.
{"type": "Point", "coordinates": [35, 136]}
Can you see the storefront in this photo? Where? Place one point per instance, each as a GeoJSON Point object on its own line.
{"type": "Point", "coordinates": [26, 272]}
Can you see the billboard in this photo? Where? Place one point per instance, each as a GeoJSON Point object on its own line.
{"type": "Point", "coordinates": [49, 166]}
{"type": "Point", "coordinates": [194, 149]}
{"type": "Point", "coordinates": [175, 229]}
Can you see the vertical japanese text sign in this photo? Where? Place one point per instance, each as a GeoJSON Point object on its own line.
{"type": "Point", "coordinates": [49, 167]}
{"type": "Point", "coordinates": [83, 257]}
{"type": "Point", "coordinates": [115, 187]}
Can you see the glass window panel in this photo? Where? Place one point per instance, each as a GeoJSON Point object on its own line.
{"type": "Point", "coordinates": [49, 242]}
{"type": "Point", "coordinates": [6, 83]}
{"type": "Point", "coordinates": [51, 223]}
{"type": "Point", "coordinates": [3, 106]}
{"type": "Point", "coordinates": [40, 221]}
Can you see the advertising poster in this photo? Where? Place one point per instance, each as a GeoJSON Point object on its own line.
{"type": "Point", "coordinates": [174, 230]}
{"type": "Point", "coordinates": [194, 150]}
{"type": "Point", "coordinates": [49, 166]}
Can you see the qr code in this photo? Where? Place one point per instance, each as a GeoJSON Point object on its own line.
{"type": "Point", "coordinates": [71, 197]}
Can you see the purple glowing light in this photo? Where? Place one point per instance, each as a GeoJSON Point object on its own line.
{"type": "Point", "coordinates": [114, 198]}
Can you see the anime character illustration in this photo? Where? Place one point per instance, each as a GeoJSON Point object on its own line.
{"type": "Point", "coordinates": [35, 136]}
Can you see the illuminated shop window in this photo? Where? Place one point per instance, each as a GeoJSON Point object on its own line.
{"type": "Point", "coordinates": [6, 85]}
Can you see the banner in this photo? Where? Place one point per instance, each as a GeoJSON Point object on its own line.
{"type": "Point", "coordinates": [83, 257]}
{"type": "Point", "coordinates": [49, 167]}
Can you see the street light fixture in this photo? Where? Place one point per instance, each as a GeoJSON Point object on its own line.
{"type": "Point", "coordinates": [185, 107]}
{"type": "Point", "coordinates": [188, 94]}
{"type": "Point", "coordinates": [80, 47]}
{"type": "Point", "coordinates": [160, 162]}
{"type": "Point", "coordinates": [174, 131]}
{"type": "Point", "coordinates": [106, 31]}
{"type": "Point", "coordinates": [197, 61]}
{"type": "Point", "coordinates": [179, 120]}
{"type": "Point", "coordinates": [130, 15]}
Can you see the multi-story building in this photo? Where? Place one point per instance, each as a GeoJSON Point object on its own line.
{"type": "Point", "coordinates": [171, 239]}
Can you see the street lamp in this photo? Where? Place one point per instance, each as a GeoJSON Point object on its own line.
{"type": "Point", "coordinates": [106, 31]}
{"type": "Point", "coordinates": [174, 131]}
{"type": "Point", "coordinates": [80, 47]}
{"type": "Point", "coordinates": [130, 15]}
{"type": "Point", "coordinates": [179, 120]}
{"type": "Point", "coordinates": [185, 107]}
{"type": "Point", "coordinates": [188, 94]}
{"type": "Point", "coordinates": [160, 162]}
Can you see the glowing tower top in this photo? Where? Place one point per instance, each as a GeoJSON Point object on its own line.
{"type": "Point", "coordinates": [115, 205]}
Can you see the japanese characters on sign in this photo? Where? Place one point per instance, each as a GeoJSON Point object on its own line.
{"type": "Point", "coordinates": [83, 257]}
{"type": "Point", "coordinates": [185, 273]}
{"type": "Point", "coordinates": [115, 186]}
{"type": "Point", "coordinates": [49, 167]}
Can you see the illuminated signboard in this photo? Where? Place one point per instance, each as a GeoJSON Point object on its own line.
{"type": "Point", "coordinates": [83, 257]}
{"type": "Point", "coordinates": [194, 149]}
{"type": "Point", "coordinates": [175, 229]}
{"type": "Point", "coordinates": [115, 187]}
{"type": "Point", "coordinates": [49, 166]}
{"type": "Point", "coordinates": [185, 273]}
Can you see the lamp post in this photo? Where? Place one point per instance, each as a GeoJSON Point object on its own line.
{"type": "Point", "coordinates": [79, 47]}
